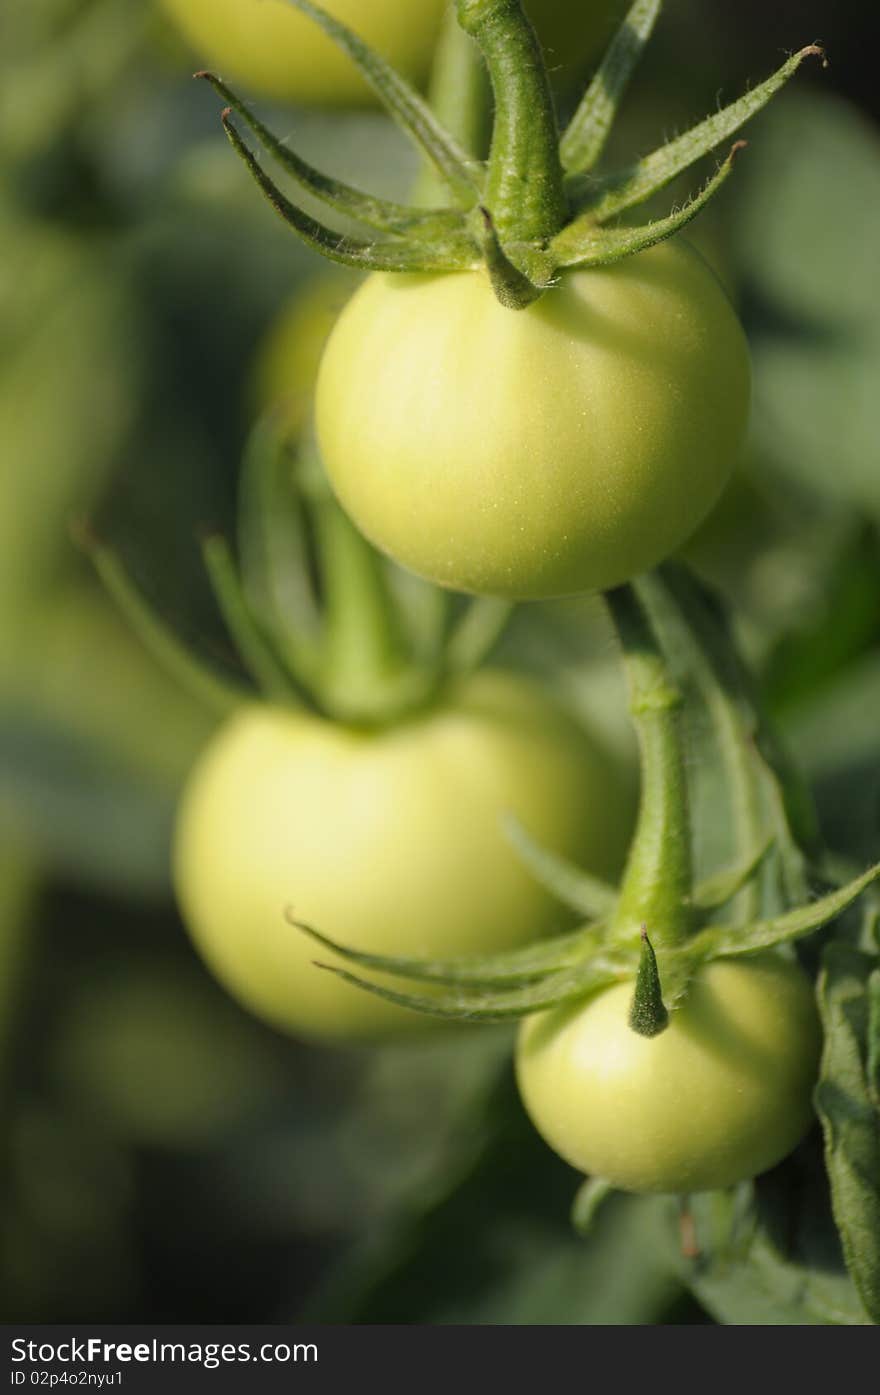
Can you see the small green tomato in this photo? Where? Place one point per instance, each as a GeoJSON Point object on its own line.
{"type": "Point", "coordinates": [721, 1095]}
{"type": "Point", "coordinates": [541, 452]}
{"type": "Point", "coordinates": [387, 840]}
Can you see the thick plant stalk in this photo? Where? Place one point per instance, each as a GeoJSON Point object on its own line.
{"type": "Point", "coordinates": [656, 887]}
{"type": "Point", "coordinates": [524, 192]}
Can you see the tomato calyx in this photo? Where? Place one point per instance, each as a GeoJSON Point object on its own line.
{"type": "Point", "coordinates": [319, 620]}
{"type": "Point", "coordinates": [660, 928]}
{"type": "Point", "coordinates": [534, 205]}
{"type": "Point", "coordinates": [648, 1015]}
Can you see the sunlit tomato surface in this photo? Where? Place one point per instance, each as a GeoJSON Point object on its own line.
{"type": "Point", "coordinates": [721, 1095]}
{"type": "Point", "coordinates": [388, 841]}
{"type": "Point", "coordinates": [539, 452]}
{"type": "Point", "coordinates": [281, 53]}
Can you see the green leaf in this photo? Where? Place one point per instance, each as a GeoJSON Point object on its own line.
{"type": "Point", "coordinates": [584, 893]}
{"type": "Point", "coordinates": [727, 941]}
{"type": "Point", "coordinates": [77, 806]}
{"type": "Point", "coordinates": [395, 218]}
{"type": "Point", "coordinates": [811, 270]}
{"type": "Point", "coordinates": [585, 243]}
{"type": "Point", "coordinates": [467, 1004]}
{"type": "Point", "coordinates": [715, 891]}
{"type": "Point", "coordinates": [849, 1115]}
{"type": "Point", "coordinates": [514, 966]}
{"type": "Point", "coordinates": [619, 192]}
{"type": "Point", "coordinates": [584, 140]}
{"type": "Point", "coordinates": [255, 647]}
{"type": "Point", "coordinates": [272, 546]}
{"type": "Point", "coordinates": [768, 1254]}
{"type": "Point", "coordinates": [449, 254]}
{"type": "Point", "coordinates": [158, 639]}
{"type": "Point", "coordinates": [462, 173]}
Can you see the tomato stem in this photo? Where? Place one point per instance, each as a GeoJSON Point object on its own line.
{"type": "Point", "coordinates": [363, 658]}
{"type": "Point", "coordinates": [525, 192]}
{"type": "Point", "coordinates": [460, 97]}
{"type": "Point", "coordinates": [656, 887]}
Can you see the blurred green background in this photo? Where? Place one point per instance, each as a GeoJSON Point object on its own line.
{"type": "Point", "coordinates": [166, 1157]}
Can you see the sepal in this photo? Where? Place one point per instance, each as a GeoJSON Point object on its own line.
{"type": "Point", "coordinates": [584, 139]}
{"type": "Point", "coordinates": [586, 243]}
{"type": "Point", "coordinates": [396, 219]}
{"type": "Point", "coordinates": [448, 254]}
{"type": "Point", "coordinates": [463, 174]}
{"type": "Point", "coordinates": [617, 192]}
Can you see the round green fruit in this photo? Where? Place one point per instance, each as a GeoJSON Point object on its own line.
{"type": "Point", "coordinates": [721, 1095]}
{"type": "Point", "coordinates": [387, 840]}
{"type": "Point", "coordinates": [542, 452]}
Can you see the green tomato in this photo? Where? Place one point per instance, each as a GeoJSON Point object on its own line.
{"type": "Point", "coordinates": [389, 841]}
{"type": "Point", "coordinates": [540, 452]}
{"type": "Point", "coordinates": [719, 1096]}
{"type": "Point", "coordinates": [283, 54]}
{"type": "Point", "coordinates": [289, 357]}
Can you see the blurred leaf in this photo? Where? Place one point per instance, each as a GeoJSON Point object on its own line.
{"type": "Point", "coordinates": [19, 880]}
{"type": "Point", "coordinates": [849, 1113]}
{"type": "Point", "coordinates": [841, 623]}
{"type": "Point", "coordinates": [838, 727]}
{"type": "Point", "coordinates": [149, 1048]}
{"type": "Point", "coordinates": [508, 1214]}
{"type": "Point", "coordinates": [94, 742]}
{"type": "Point", "coordinates": [771, 1266]}
{"type": "Point", "coordinates": [83, 815]}
{"type": "Point", "coordinates": [66, 1221]}
{"type": "Point", "coordinates": [57, 58]}
{"type": "Point", "coordinates": [68, 370]}
{"type": "Point", "coordinates": [807, 226]}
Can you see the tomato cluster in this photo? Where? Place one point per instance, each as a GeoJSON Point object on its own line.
{"type": "Point", "coordinates": [528, 398]}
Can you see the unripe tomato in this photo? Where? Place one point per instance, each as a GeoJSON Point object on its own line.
{"type": "Point", "coordinates": [721, 1095]}
{"type": "Point", "coordinates": [386, 840]}
{"type": "Point", "coordinates": [290, 355]}
{"type": "Point", "coordinates": [539, 452]}
{"type": "Point", "coordinates": [281, 53]}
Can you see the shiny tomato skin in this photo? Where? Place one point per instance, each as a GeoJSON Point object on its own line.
{"type": "Point", "coordinates": [389, 841]}
{"type": "Point", "coordinates": [283, 54]}
{"type": "Point", "coordinates": [562, 448]}
{"type": "Point", "coordinates": [720, 1096]}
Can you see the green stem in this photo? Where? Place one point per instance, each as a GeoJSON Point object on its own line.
{"type": "Point", "coordinates": [171, 653]}
{"type": "Point", "coordinates": [656, 885]}
{"type": "Point", "coordinates": [254, 646]}
{"type": "Point", "coordinates": [362, 658]}
{"type": "Point", "coordinates": [525, 192]}
{"type": "Point", "coordinates": [460, 97]}
{"type": "Point", "coordinates": [672, 600]}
